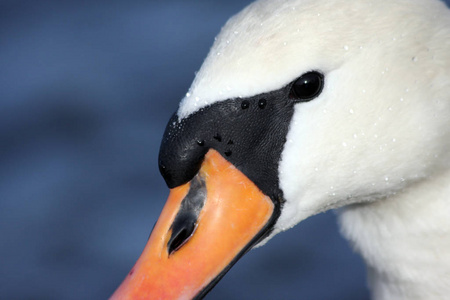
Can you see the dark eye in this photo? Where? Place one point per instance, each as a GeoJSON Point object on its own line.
{"type": "Point", "coordinates": [307, 87]}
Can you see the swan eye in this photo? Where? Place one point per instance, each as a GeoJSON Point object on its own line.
{"type": "Point", "coordinates": [307, 87]}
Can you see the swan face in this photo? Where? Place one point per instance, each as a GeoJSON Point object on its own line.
{"type": "Point", "coordinates": [380, 122]}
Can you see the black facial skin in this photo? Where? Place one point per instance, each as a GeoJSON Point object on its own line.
{"type": "Point", "coordinates": [248, 132]}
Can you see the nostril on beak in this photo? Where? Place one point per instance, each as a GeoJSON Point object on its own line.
{"type": "Point", "coordinates": [182, 230]}
{"type": "Point", "coordinates": [186, 220]}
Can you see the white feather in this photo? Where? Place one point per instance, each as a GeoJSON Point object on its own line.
{"type": "Point", "coordinates": [377, 140]}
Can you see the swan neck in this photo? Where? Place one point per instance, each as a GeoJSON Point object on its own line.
{"type": "Point", "coordinates": [405, 240]}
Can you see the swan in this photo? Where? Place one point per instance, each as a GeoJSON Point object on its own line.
{"type": "Point", "coordinates": [303, 106]}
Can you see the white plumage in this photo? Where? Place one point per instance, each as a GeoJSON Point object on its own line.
{"type": "Point", "coordinates": [375, 143]}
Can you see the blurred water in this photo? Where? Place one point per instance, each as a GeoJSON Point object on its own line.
{"type": "Point", "coordinates": [86, 89]}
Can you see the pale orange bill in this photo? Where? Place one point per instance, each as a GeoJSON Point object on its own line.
{"type": "Point", "coordinates": [234, 213]}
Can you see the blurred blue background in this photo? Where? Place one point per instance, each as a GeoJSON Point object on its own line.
{"type": "Point", "coordinates": [86, 89]}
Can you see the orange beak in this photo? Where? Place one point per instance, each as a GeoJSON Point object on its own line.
{"type": "Point", "coordinates": [232, 216]}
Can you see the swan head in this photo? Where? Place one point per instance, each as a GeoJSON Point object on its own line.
{"type": "Point", "coordinates": [376, 121]}
{"type": "Point", "coordinates": [381, 121]}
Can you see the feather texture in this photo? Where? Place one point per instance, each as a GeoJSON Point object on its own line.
{"type": "Point", "coordinates": [375, 143]}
